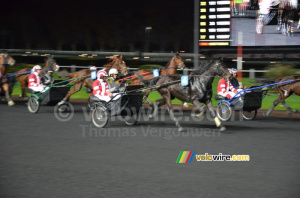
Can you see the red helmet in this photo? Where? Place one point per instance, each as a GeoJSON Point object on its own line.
{"type": "Point", "coordinates": [35, 68]}
{"type": "Point", "coordinates": [101, 73]}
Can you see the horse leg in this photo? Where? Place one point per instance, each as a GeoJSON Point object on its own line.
{"type": "Point", "coordinates": [23, 88]}
{"type": "Point", "coordinates": [289, 109]}
{"type": "Point", "coordinates": [213, 114]}
{"type": "Point", "coordinates": [158, 103]}
{"type": "Point", "coordinates": [275, 103]}
{"type": "Point", "coordinates": [76, 87]}
{"type": "Point", "coordinates": [201, 107]}
{"type": "Point", "coordinates": [7, 95]}
{"type": "Point", "coordinates": [167, 97]}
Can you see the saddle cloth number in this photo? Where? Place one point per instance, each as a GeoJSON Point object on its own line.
{"type": "Point", "coordinates": [93, 75]}
{"type": "Point", "coordinates": [184, 81]}
{"type": "Point", "coordinates": [155, 73]}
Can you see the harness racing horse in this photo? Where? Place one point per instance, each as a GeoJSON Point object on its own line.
{"type": "Point", "coordinates": [23, 74]}
{"type": "Point", "coordinates": [199, 90]}
{"type": "Point", "coordinates": [286, 12]}
{"type": "Point", "coordinates": [114, 62]}
{"type": "Point", "coordinates": [146, 76]}
{"type": "Point", "coordinates": [5, 60]}
{"type": "Point", "coordinates": [285, 91]}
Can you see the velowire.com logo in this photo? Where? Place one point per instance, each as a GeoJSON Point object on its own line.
{"type": "Point", "coordinates": [187, 157]}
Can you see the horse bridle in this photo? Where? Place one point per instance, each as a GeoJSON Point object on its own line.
{"type": "Point", "coordinates": [216, 69]}
{"type": "Point", "coordinates": [176, 66]}
{"type": "Point", "coordinates": [119, 66]}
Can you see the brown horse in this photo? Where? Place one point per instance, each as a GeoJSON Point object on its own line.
{"type": "Point", "coordinates": [199, 90]}
{"type": "Point", "coordinates": [5, 60]}
{"type": "Point", "coordinates": [170, 69]}
{"type": "Point", "coordinates": [114, 62]}
{"type": "Point", "coordinates": [146, 76]}
{"type": "Point", "coordinates": [23, 74]}
{"type": "Point", "coordinates": [285, 91]}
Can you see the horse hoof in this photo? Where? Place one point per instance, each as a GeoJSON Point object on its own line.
{"type": "Point", "coordinates": [199, 115]}
{"type": "Point", "coordinates": [185, 104]}
{"type": "Point", "coordinates": [181, 129]}
{"type": "Point", "coordinates": [289, 113]}
{"type": "Point", "coordinates": [151, 116]}
{"type": "Point", "coordinates": [11, 103]}
{"type": "Point", "coordinates": [265, 115]}
{"type": "Point", "coordinates": [222, 129]}
{"type": "Point", "coordinates": [61, 102]}
{"type": "Point", "coordinates": [296, 111]}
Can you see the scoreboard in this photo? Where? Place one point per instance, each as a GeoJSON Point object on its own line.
{"type": "Point", "coordinates": [214, 21]}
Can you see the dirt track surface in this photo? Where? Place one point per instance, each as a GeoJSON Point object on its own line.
{"type": "Point", "coordinates": [44, 157]}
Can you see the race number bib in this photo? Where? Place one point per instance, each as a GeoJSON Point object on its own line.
{"type": "Point", "coordinates": [155, 73]}
{"type": "Point", "coordinates": [93, 75]}
{"type": "Point", "coordinates": [184, 81]}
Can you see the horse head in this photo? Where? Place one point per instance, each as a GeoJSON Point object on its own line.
{"type": "Point", "coordinates": [117, 63]}
{"type": "Point", "coordinates": [218, 68]}
{"type": "Point", "coordinates": [51, 64]}
{"type": "Point", "coordinates": [7, 60]}
{"type": "Point", "coordinates": [176, 62]}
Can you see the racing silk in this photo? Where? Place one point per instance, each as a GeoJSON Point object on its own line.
{"type": "Point", "coordinates": [235, 83]}
{"type": "Point", "coordinates": [224, 87]}
{"type": "Point", "coordinates": [113, 84]}
{"type": "Point", "coordinates": [34, 80]}
{"type": "Point", "coordinates": [100, 87]}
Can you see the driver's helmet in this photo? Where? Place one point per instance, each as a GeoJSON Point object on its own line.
{"type": "Point", "coordinates": [93, 68]}
{"type": "Point", "coordinates": [113, 71]}
{"type": "Point", "coordinates": [101, 74]}
{"type": "Point", "coordinates": [230, 71]}
{"type": "Point", "coordinates": [233, 70]}
{"type": "Point", "coordinates": [35, 68]}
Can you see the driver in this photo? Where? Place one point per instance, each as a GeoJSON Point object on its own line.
{"type": "Point", "coordinates": [113, 83]}
{"type": "Point", "coordinates": [226, 89]}
{"type": "Point", "coordinates": [34, 80]}
{"type": "Point", "coordinates": [100, 88]}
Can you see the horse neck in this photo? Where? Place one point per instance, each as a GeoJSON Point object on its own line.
{"type": "Point", "coordinates": [207, 76]}
{"type": "Point", "coordinates": [171, 69]}
{"type": "Point", "coordinates": [45, 67]}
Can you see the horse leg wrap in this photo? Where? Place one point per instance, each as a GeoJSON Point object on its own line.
{"type": "Point", "coordinates": [217, 121]}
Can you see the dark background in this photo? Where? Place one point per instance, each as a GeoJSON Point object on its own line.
{"type": "Point", "coordinates": [97, 25]}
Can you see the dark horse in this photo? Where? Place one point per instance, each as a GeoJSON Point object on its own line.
{"type": "Point", "coordinates": [5, 60]}
{"type": "Point", "coordinates": [23, 74]}
{"type": "Point", "coordinates": [198, 91]}
{"type": "Point", "coordinates": [286, 13]}
{"type": "Point", "coordinates": [285, 91]}
{"type": "Point", "coordinates": [83, 76]}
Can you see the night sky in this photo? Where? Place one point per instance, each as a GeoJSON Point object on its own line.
{"type": "Point", "coordinates": [97, 25]}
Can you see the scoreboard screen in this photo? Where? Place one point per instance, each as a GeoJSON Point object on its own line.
{"type": "Point", "coordinates": [252, 22]}
{"type": "Point", "coordinates": [214, 20]}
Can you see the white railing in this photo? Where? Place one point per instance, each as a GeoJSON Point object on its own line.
{"type": "Point", "coordinates": [73, 68]}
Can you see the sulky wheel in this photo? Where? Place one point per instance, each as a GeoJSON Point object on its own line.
{"type": "Point", "coordinates": [224, 111]}
{"type": "Point", "coordinates": [249, 115]}
{"type": "Point", "coordinates": [100, 117]}
{"type": "Point", "coordinates": [33, 104]}
{"type": "Point", "coordinates": [131, 119]}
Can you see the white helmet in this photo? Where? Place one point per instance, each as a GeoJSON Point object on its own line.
{"type": "Point", "coordinates": [35, 68]}
{"type": "Point", "coordinates": [93, 68]}
{"type": "Point", "coordinates": [113, 71]}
